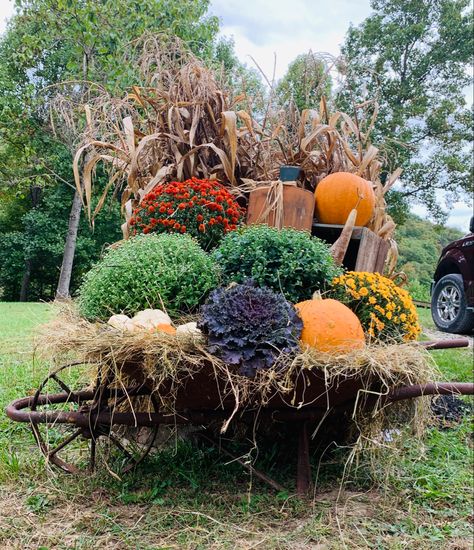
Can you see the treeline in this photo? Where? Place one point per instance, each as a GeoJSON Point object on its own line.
{"type": "Point", "coordinates": [420, 243]}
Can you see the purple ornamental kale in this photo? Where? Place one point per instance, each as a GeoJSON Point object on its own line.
{"type": "Point", "coordinates": [249, 326]}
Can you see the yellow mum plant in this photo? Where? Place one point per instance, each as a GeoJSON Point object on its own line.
{"type": "Point", "coordinates": [385, 310]}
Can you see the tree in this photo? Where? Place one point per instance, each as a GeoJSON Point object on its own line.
{"type": "Point", "coordinates": [49, 41]}
{"type": "Point", "coordinates": [420, 243]}
{"type": "Point", "coordinates": [306, 80]}
{"type": "Point", "coordinates": [414, 56]}
{"type": "Point", "coordinates": [39, 240]}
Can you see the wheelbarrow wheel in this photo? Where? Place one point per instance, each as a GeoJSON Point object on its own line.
{"type": "Point", "coordinates": [76, 447]}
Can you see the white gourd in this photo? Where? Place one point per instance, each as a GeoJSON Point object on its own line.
{"type": "Point", "coordinates": [119, 321]}
{"type": "Point", "coordinates": [150, 318]}
{"type": "Point", "coordinates": [189, 328]}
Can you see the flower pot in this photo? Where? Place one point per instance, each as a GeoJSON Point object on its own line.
{"type": "Point", "coordinates": [281, 205]}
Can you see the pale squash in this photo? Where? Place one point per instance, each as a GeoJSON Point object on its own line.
{"type": "Point", "coordinates": [119, 321]}
{"type": "Point", "coordinates": [150, 318]}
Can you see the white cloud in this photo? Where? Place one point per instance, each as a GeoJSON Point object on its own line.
{"type": "Point", "coordinates": [6, 11]}
{"type": "Point", "coordinates": [459, 215]}
{"type": "Point", "coordinates": [262, 29]}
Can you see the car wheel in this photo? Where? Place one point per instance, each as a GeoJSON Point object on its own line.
{"type": "Point", "coordinates": [448, 305]}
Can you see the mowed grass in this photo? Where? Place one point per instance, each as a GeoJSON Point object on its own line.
{"type": "Point", "coordinates": [190, 497]}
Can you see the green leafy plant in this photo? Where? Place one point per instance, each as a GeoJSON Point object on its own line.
{"type": "Point", "coordinates": [154, 271]}
{"type": "Point", "coordinates": [250, 326]}
{"type": "Point", "coordinates": [285, 260]}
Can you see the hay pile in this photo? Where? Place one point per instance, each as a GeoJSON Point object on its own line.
{"type": "Point", "coordinates": [169, 362]}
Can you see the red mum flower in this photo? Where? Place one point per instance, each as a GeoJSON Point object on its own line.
{"type": "Point", "coordinates": [195, 199]}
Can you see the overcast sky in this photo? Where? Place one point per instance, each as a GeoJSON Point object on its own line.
{"type": "Point", "coordinates": [263, 29]}
{"type": "Point", "coordinates": [286, 28]}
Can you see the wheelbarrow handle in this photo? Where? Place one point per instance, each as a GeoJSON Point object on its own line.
{"type": "Point", "coordinates": [446, 344]}
{"type": "Point", "coordinates": [432, 388]}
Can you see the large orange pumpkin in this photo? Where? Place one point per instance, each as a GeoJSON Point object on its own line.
{"type": "Point", "coordinates": [337, 194]}
{"type": "Point", "coordinates": [330, 326]}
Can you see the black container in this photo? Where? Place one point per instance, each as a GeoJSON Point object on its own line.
{"type": "Point", "coordinates": [289, 173]}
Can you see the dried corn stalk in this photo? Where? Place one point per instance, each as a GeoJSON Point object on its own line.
{"type": "Point", "coordinates": [179, 123]}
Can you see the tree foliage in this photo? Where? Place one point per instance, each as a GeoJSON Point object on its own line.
{"type": "Point", "coordinates": [52, 41]}
{"type": "Point", "coordinates": [305, 82]}
{"type": "Point", "coordinates": [420, 243]}
{"type": "Point", "coordinates": [37, 239]}
{"type": "Point", "coordinates": [414, 56]}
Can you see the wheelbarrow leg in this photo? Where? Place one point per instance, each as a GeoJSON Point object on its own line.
{"type": "Point", "coordinates": [303, 473]}
{"type": "Point", "coordinates": [243, 463]}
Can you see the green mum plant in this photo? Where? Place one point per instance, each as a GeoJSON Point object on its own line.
{"type": "Point", "coordinates": [285, 260]}
{"type": "Point", "coordinates": [153, 271]}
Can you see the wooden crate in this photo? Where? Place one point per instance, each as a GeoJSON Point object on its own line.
{"type": "Point", "coordinates": [366, 252]}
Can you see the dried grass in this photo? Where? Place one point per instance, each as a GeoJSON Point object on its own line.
{"type": "Point", "coordinates": [181, 122]}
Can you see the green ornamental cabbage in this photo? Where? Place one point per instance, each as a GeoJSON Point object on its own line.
{"type": "Point", "coordinates": [153, 271]}
{"type": "Point", "coordinates": [285, 260]}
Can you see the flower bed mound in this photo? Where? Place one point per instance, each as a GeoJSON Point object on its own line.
{"type": "Point", "coordinates": [284, 260]}
{"type": "Point", "coordinates": [386, 311]}
{"type": "Point", "coordinates": [204, 209]}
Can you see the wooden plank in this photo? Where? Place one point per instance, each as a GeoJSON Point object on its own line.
{"type": "Point", "coordinates": [384, 247]}
{"type": "Point", "coordinates": [368, 251]}
{"type": "Point", "coordinates": [298, 207]}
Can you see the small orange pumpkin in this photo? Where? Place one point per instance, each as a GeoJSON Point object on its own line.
{"type": "Point", "coordinates": [337, 194]}
{"type": "Point", "coordinates": [164, 327]}
{"type": "Point", "coordinates": [330, 326]}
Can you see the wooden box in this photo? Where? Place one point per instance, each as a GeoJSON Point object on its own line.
{"type": "Point", "coordinates": [297, 207]}
{"type": "Point", "coordinates": [366, 252]}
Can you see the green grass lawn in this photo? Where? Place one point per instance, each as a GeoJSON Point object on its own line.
{"type": "Point", "coordinates": [188, 497]}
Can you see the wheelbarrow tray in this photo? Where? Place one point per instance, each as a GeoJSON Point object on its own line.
{"type": "Point", "coordinates": [205, 391]}
{"type": "Point", "coordinates": [203, 396]}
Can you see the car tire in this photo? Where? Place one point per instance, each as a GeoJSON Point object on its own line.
{"type": "Point", "coordinates": [449, 307]}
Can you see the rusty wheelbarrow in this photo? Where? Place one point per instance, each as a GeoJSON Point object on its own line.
{"type": "Point", "coordinates": [109, 413]}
